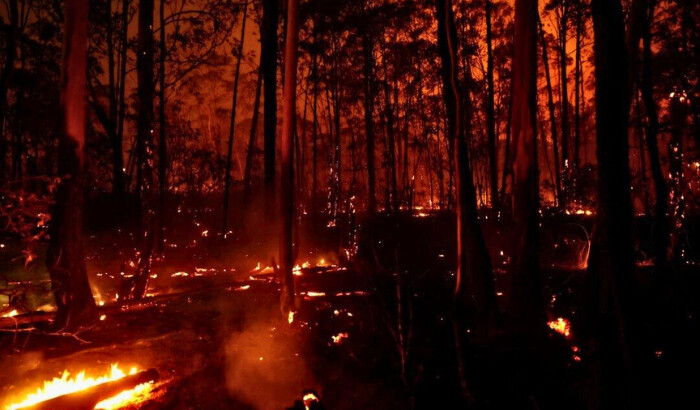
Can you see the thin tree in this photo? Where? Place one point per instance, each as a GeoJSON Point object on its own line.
{"type": "Point", "coordinates": [528, 305]}
{"type": "Point", "coordinates": [368, 83]}
{"type": "Point", "coordinates": [552, 118]}
{"type": "Point", "coordinates": [135, 287]}
{"type": "Point", "coordinates": [163, 140]}
{"type": "Point", "coordinates": [268, 60]}
{"type": "Point", "coordinates": [65, 256]}
{"type": "Point", "coordinates": [247, 178]}
{"type": "Point", "coordinates": [286, 206]}
{"type": "Point", "coordinates": [7, 70]}
{"type": "Point", "coordinates": [232, 125]}
{"type": "Point", "coordinates": [490, 110]}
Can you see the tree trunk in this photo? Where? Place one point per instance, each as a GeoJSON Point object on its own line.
{"type": "Point", "coordinates": [528, 304]}
{"type": "Point", "coordinates": [163, 141]}
{"type": "Point", "coordinates": [552, 118]}
{"type": "Point", "coordinates": [490, 111]}
{"type": "Point", "coordinates": [247, 183]}
{"type": "Point", "coordinates": [268, 59]}
{"type": "Point", "coordinates": [367, 70]}
{"type": "Point", "coordinates": [612, 256]}
{"type": "Point", "coordinates": [565, 144]}
{"type": "Point", "coordinates": [7, 69]}
{"type": "Point", "coordinates": [117, 150]}
{"type": "Point", "coordinates": [232, 126]}
{"type": "Point", "coordinates": [65, 256]}
{"type": "Point", "coordinates": [474, 291]}
{"type": "Point", "coordinates": [136, 287]}
{"type": "Point", "coordinates": [577, 88]}
{"type": "Point", "coordinates": [660, 240]}
{"type": "Point", "coordinates": [286, 254]}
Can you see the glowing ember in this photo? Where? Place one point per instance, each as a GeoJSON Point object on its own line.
{"type": "Point", "coordinates": [315, 294]}
{"type": "Point", "coordinates": [176, 274]}
{"type": "Point", "coordinates": [11, 313]}
{"type": "Point", "coordinates": [136, 395]}
{"type": "Point", "coordinates": [308, 399]}
{"type": "Point", "coordinates": [337, 339]}
{"type": "Point", "coordinates": [63, 385]}
{"type": "Point", "coordinates": [290, 317]}
{"type": "Point", "coordinates": [561, 326]}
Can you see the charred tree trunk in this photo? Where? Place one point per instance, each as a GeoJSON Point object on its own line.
{"type": "Point", "coordinates": [286, 207]}
{"type": "Point", "coordinates": [565, 143]}
{"type": "Point", "coordinates": [552, 118]}
{"type": "Point", "coordinates": [117, 150]}
{"type": "Point", "coordinates": [135, 287]}
{"type": "Point", "coordinates": [367, 70]}
{"type": "Point", "coordinates": [232, 126]}
{"type": "Point", "coordinates": [577, 90]}
{"type": "Point", "coordinates": [162, 133]}
{"type": "Point", "coordinates": [268, 60]}
{"type": "Point", "coordinates": [314, 136]}
{"type": "Point", "coordinates": [660, 240]}
{"type": "Point", "coordinates": [612, 256]}
{"type": "Point", "coordinates": [247, 179]}
{"type": "Point", "coordinates": [474, 291]}
{"type": "Point", "coordinates": [528, 305]}
{"type": "Point", "coordinates": [112, 119]}
{"type": "Point", "coordinates": [490, 111]}
{"type": "Point", "coordinates": [65, 258]}
{"type": "Point", "coordinates": [7, 69]}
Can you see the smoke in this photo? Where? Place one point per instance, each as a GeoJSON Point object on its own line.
{"type": "Point", "coordinates": [265, 365]}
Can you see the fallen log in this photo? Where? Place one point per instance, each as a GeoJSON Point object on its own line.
{"type": "Point", "coordinates": [88, 398]}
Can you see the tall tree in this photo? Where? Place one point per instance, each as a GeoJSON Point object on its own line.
{"type": "Point", "coordinates": [65, 256]}
{"type": "Point", "coordinates": [162, 132]}
{"type": "Point", "coordinates": [612, 256]}
{"type": "Point", "coordinates": [552, 117]}
{"type": "Point", "coordinates": [527, 292]}
{"type": "Point", "coordinates": [490, 110]}
{"type": "Point", "coordinates": [286, 207]}
{"type": "Point", "coordinates": [8, 67]}
{"type": "Point", "coordinates": [368, 83]}
{"type": "Point", "coordinates": [232, 125]}
{"type": "Point", "coordinates": [474, 289]}
{"type": "Point", "coordinates": [135, 287]}
{"type": "Point", "coordinates": [268, 61]}
{"type": "Point", "coordinates": [247, 178]}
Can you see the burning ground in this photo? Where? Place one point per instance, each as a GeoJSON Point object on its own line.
{"type": "Point", "coordinates": [371, 332]}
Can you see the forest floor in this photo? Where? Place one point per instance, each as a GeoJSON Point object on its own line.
{"type": "Point", "coordinates": [371, 334]}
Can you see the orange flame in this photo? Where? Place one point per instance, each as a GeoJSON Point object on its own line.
{"type": "Point", "coordinates": [65, 384]}
{"type": "Point", "coordinates": [561, 326]}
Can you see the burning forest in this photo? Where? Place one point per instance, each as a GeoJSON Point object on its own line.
{"type": "Point", "coordinates": [349, 204]}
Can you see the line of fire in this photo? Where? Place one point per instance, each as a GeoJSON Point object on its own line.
{"type": "Point", "coordinates": [349, 204]}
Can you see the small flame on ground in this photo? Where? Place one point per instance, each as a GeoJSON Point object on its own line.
{"type": "Point", "coordinates": [561, 326]}
{"type": "Point", "coordinates": [308, 399]}
{"type": "Point", "coordinates": [11, 313]}
{"type": "Point", "coordinates": [290, 317]}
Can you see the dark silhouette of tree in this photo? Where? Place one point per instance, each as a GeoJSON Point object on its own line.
{"type": "Point", "coordinates": [65, 256]}
{"type": "Point", "coordinates": [612, 258]}
{"type": "Point", "coordinates": [287, 172]}
{"type": "Point", "coordinates": [528, 305]}
{"type": "Point", "coordinates": [268, 62]}
{"type": "Point", "coordinates": [232, 126]}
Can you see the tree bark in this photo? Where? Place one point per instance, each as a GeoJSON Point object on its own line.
{"type": "Point", "coordinates": [162, 133]}
{"type": "Point", "coordinates": [528, 304]}
{"type": "Point", "coordinates": [287, 172]}
{"type": "Point", "coordinates": [232, 126]}
{"type": "Point", "coordinates": [612, 256]}
{"type": "Point", "coordinates": [65, 256]}
{"type": "Point", "coordinates": [117, 149]}
{"type": "Point", "coordinates": [565, 144]}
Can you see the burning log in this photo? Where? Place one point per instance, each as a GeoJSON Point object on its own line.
{"type": "Point", "coordinates": [88, 398]}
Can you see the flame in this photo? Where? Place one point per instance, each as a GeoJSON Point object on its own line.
{"type": "Point", "coordinates": [308, 399]}
{"type": "Point", "coordinates": [136, 395]}
{"type": "Point", "coordinates": [290, 317]}
{"type": "Point", "coordinates": [11, 313]}
{"type": "Point", "coordinates": [339, 337]}
{"type": "Point", "coordinates": [561, 326]}
{"type": "Point", "coordinates": [65, 384]}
